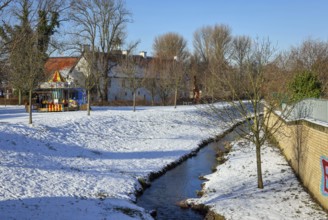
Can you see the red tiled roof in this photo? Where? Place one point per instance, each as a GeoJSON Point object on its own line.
{"type": "Point", "coordinates": [60, 63]}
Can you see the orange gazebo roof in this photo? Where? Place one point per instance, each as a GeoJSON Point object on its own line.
{"type": "Point", "coordinates": [57, 77]}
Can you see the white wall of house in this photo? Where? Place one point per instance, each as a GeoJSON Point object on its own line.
{"type": "Point", "coordinates": [77, 75]}
{"type": "Point", "coordinates": [118, 86]}
{"type": "Point", "coordinates": [119, 90]}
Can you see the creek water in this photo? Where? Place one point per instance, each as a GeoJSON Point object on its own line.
{"type": "Point", "coordinates": [181, 183]}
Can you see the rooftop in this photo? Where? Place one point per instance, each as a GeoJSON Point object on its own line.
{"type": "Point", "coordinates": [60, 63]}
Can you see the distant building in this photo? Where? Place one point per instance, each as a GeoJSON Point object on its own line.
{"type": "Point", "coordinates": [118, 85]}
{"type": "Point", "coordinates": [71, 73]}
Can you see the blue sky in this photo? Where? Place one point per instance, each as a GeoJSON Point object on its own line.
{"type": "Point", "coordinates": [286, 22]}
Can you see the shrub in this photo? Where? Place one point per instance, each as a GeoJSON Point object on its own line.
{"type": "Point", "coordinates": [305, 85]}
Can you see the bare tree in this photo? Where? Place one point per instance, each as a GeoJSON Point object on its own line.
{"type": "Point", "coordinates": [172, 49]}
{"type": "Point", "coordinates": [202, 54]}
{"type": "Point", "coordinates": [131, 66]}
{"type": "Point", "coordinates": [164, 82]}
{"type": "Point", "coordinates": [196, 70]}
{"type": "Point", "coordinates": [301, 110]}
{"type": "Point", "coordinates": [4, 4]}
{"type": "Point", "coordinates": [170, 45]}
{"type": "Point", "coordinates": [241, 46]}
{"type": "Point", "coordinates": [89, 68]}
{"type": "Point", "coordinates": [257, 128]}
{"type": "Point", "coordinates": [101, 23]}
{"type": "Point", "coordinates": [150, 80]}
{"type": "Point", "coordinates": [177, 73]}
{"type": "Point", "coordinates": [213, 46]}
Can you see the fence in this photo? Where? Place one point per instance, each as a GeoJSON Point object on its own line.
{"type": "Point", "coordinates": [316, 109]}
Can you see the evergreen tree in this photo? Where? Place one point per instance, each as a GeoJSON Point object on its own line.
{"type": "Point", "coordinates": [305, 85]}
{"type": "Point", "coordinates": [27, 45]}
{"type": "Point", "coordinates": [46, 28]}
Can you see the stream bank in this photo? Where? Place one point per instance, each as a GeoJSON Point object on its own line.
{"type": "Point", "coordinates": [181, 180]}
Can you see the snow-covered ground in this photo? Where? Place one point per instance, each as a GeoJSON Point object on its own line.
{"type": "Point", "coordinates": [232, 190]}
{"type": "Point", "coordinates": [70, 166]}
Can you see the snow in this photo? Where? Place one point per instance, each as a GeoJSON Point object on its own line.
{"type": "Point", "coordinates": [232, 190]}
{"type": "Point", "coordinates": [70, 166]}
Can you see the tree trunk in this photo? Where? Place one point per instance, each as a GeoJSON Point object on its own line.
{"type": "Point", "coordinates": [99, 93]}
{"type": "Point", "coordinates": [259, 166]}
{"type": "Point", "coordinates": [105, 95]}
{"type": "Point", "coordinates": [152, 100]}
{"type": "Point", "coordinates": [153, 97]}
{"type": "Point", "coordinates": [19, 97]}
{"type": "Point", "coordinates": [30, 106]}
{"type": "Point", "coordinates": [134, 100]}
{"type": "Point", "coordinates": [175, 97]}
{"type": "Point", "coordinates": [88, 104]}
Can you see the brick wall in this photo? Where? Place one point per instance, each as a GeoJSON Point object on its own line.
{"type": "Point", "coordinates": [305, 145]}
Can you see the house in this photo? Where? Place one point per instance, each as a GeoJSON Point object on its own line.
{"type": "Point", "coordinates": [119, 84]}
{"type": "Point", "coordinates": [120, 88]}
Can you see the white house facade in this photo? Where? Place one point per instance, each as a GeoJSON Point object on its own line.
{"type": "Point", "coordinates": [119, 88]}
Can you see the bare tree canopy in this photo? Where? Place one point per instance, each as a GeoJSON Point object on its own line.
{"type": "Point", "coordinates": [170, 45]}
{"type": "Point", "coordinates": [100, 24]}
{"type": "Point", "coordinates": [213, 42]}
{"type": "Point", "coordinates": [241, 46]}
{"type": "Point", "coordinates": [259, 57]}
{"type": "Point", "coordinates": [171, 50]}
{"type": "Point", "coordinates": [4, 3]}
{"type": "Point", "coordinates": [212, 45]}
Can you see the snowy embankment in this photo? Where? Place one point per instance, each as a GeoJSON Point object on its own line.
{"type": "Point", "coordinates": [70, 166]}
{"type": "Point", "coordinates": [232, 190]}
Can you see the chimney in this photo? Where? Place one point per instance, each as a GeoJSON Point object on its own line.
{"type": "Point", "coordinates": [143, 54]}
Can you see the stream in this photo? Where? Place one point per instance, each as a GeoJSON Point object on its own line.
{"type": "Point", "coordinates": [182, 182]}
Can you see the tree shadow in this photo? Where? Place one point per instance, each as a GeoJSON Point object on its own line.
{"type": "Point", "coordinates": [26, 152]}
{"type": "Point", "coordinates": [12, 112]}
{"type": "Point", "coordinates": [118, 108]}
{"type": "Point", "coordinates": [70, 208]}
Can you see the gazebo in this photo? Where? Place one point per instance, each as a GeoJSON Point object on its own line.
{"type": "Point", "coordinates": [58, 94]}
